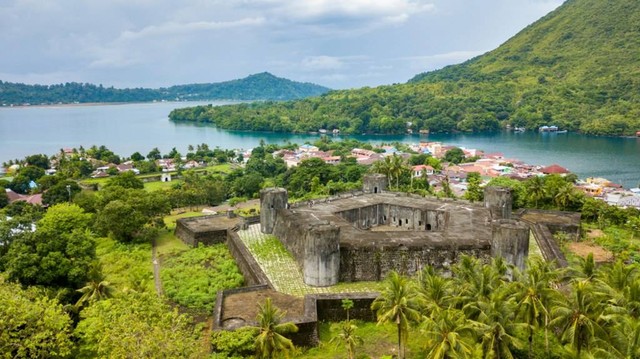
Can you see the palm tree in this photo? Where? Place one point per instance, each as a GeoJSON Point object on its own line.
{"type": "Point", "coordinates": [348, 338]}
{"type": "Point", "coordinates": [383, 167]}
{"type": "Point", "coordinates": [397, 304]}
{"type": "Point", "coordinates": [498, 326]}
{"type": "Point", "coordinates": [449, 335]}
{"type": "Point", "coordinates": [625, 338]}
{"type": "Point", "coordinates": [435, 291]}
{"type": "Point", "coordinates": [271, 341]}
{"type": "Point", "coordinates": [564, 196]}
{"type": "Point", "coordinates": [619, 276]}
{"type": "Point", "coordinates": [581, 317]}
{"type": "Point", "coordinates": [396, 168]}
{"type": "Point", "coordinates": [534, 295]}
{"type": "Point", "coordinates": [535, 187]}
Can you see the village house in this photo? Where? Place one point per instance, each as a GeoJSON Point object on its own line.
{"type": "Point", "coordinates": [421, 170]}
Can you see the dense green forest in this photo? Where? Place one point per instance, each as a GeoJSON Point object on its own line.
{"type": "Point", "coordinates": [263, 86]}
{"type": "Point", "coordinates": [576, 68]}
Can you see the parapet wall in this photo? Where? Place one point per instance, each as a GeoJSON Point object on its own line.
{"type": "Point", "coordinates": [191, 232]}
{"type": "Point", "coordinates": [316, 308]}
{"type": "Point", "coordinates": [375, 263]}
{"type": "Point", "coordinates": [413, 219]}
{"type": "Point", "coordinates": [250, 269]}
{"type": "Point", "coordinates": [314, 243]}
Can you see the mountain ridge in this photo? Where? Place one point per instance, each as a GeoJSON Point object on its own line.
{"type": "Point", "coordinates": [260, 86]}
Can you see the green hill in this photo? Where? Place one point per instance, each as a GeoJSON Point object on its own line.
{"type": "Point", "coordinates": [262, 86]}
{"type": "Point", "coordinates": [577, 68]}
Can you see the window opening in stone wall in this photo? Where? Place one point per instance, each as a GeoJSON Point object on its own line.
{"type": "Point", "coordinates": [420, 223]}
{"type": "Point", "coordinates": [406, 221]}
{"type": "Point", "coordinates": [428, 226]}
{"type": "Point", "coordinates": [375, 189]}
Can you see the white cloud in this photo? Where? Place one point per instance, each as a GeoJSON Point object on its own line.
{"type": "Point", "coordinates": [173, 28]}
{"type": "Point", "coordinates": [335, 16]}
{"type": "Point", "coordinates": [315, 63]}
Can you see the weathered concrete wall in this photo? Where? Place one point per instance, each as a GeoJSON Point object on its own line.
{"type": "Point", "coordinates": [315, 244]}
{"type": "Point", "coordinates": [271, 200]}
{"type": "Point", "coordinates": [206, 235]}
{"type": "Point", "coordinates": [408, 218]}
{"type": "Point", "coordinates": [510, 240]}
{"type": "Point", "coordinates": [499, 201]}
{"type": "Point", "coordinates": [329, 306]}
{"type": "Point", "coordinates": [291, 229]}
{"type": "Point", "coordinates": [321, 265]}
{"type": "Point", "coordinates": [218, 309]}
{"type": "Point", "coordinates": [375, 263]}
{"type": "Point", "coordinates": [374, 183]}
{"type": "Point", "coordinates": [250, 269]}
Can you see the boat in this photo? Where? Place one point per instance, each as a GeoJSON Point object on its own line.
{"type": "Point", "coordinates": [563, 131]}
{"type": "Point", "coordinates": [519, 129]}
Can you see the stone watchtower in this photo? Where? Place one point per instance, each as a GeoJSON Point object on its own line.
{"type": "Point", "coordinates": [499, 202]}
{"type": "Point", "coordinates": [271, 200]}
{"type": "Point", "coordinates": [374, 183]}
{"type": "Point", "coordinates": [510, 240]}
{"type": "Point", "coordinates": [321, 265]}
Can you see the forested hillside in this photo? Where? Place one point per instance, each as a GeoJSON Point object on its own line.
{"type": "Point", "coordinates": [577, 68]}
{"type": "Point", "coordinates": [263, 86]}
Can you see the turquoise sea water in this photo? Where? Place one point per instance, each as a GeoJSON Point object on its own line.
{"type": "Point", "coordinates": [141, 127]}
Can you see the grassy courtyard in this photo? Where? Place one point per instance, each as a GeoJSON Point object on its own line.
{"type": "Point", "coordinates": [282, 270]}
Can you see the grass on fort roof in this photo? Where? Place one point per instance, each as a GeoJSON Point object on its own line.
{"type": "Point", "coordinates": [282, 269]}
{"type": "Point", "coordinates": [170, 221]}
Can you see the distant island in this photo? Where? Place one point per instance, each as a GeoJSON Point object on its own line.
{"type": "Point", "coordinates": [262, 86]}
{"type": "Point", "coordinates": [576, 68]}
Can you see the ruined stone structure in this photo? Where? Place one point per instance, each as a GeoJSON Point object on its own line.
{"type": "Point", "coordinates": [271, 200]}
{"type": "Point", "coordinates": [499, 202]}
{"type": "Point", "coordinates": [365, 236]}
{"type": "Point", "coordinates": [374, 183]}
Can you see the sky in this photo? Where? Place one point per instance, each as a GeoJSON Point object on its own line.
{"type": "Point", "coordinates": [335, 43]}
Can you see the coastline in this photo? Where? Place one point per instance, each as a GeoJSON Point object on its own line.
{"type": "Point", "coordinates": [88, 104]}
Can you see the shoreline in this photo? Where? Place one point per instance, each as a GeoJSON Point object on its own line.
{"type": "Point", "coordinates": [89, 104]}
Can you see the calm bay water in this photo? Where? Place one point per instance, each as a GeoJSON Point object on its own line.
{"type": "Point", "coordinates": [140, 127]}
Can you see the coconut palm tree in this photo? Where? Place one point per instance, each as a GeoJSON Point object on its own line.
{"type": "Point", "coordinates": [625, 338]}
{"type": "Point", "coordinates": [498, 326]}
{"type": "Point", "coordinates": [271, 340]}
{"type": "Point", "coordinates": [449, 335]}
{"type": "Point", "coordinates": [435, 291]}
{"type": "Point", "coordinates": [564, 196]}
{"type": "Point", "coordinates": [383, 167]}
{"type": "Point", "coordinates": [94, 291]}
{"type": "Point", "coordinates": [581, 317]}
{"type": "Point", "coordinates": [536, 190]}
{"type": "Point", "coordinates": [398, 304]}
{"type": "Point", "coordinates": [397, 167]}
{"type": "Point", "coordinates": [348, 338]}
{"type": "Point", "coordinates": [534, 295]}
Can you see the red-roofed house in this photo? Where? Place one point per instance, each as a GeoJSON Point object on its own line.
{"type": "Point", "coordinates": [419, 170]}
{"type": "Point", "coordinates": [554, 169]}
{"type": "Point", "coordinates": [14, 197]}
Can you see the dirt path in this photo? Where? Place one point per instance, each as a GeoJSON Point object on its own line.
{"type": "Point", "coordinates": [156, 269]}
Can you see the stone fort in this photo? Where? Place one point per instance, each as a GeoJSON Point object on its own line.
{"type": "Point", "coordinates": [364, 237]}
